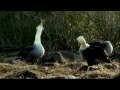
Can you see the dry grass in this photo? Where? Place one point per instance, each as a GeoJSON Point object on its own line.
{"type": "Point", "coordinates": [69, 70]}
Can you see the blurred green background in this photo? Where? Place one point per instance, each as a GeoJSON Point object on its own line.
{"type": "Point", "coordinates": [17, 28]}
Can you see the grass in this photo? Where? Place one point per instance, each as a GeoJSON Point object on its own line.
{"type": "Point", "coordinates": [69, 70]}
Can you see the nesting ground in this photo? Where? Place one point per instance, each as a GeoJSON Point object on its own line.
{"type": "Point", "coordinates": [68, 70]}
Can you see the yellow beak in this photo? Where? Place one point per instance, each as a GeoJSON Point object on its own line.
{"type": "Point", "coordinates": [42, 21]}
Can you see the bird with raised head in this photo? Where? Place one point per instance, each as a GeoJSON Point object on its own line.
{"type": "Point", "coordinates": [36, 51]}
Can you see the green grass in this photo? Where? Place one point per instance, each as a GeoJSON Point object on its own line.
{"type": "Point", "coordinates": [17, 28]}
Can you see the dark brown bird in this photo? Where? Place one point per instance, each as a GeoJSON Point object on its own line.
{"type": "Point", "coordinates": [92, 52]}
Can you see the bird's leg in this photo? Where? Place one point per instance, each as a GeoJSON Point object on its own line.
{"type": "Point", "coordinates": [87, 75]}
{"type": "Point", "coordinates": [88, 68]}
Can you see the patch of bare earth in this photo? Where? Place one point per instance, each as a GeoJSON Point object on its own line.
{"type": "Point", "coordinates": [68, 70]}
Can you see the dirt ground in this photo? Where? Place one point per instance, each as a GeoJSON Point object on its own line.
{"type": "Point", "coordinates": [67, 70]}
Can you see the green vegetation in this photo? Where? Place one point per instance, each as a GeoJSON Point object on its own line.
{"type": "Point", "coordinates": [17, 28]}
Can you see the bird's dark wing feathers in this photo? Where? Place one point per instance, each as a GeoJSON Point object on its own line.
{"type": "Point", "coordinates": [94, 52]}
{"type": "Point", "coordinates": [97, 44]}
{"type": "Point", "coordinates": [24, 52]}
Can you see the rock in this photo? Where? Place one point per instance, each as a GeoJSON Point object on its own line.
{"type": "Point", "coordinates": [22, 75]}
{"type": "Point", "coordinates": [60, 56]}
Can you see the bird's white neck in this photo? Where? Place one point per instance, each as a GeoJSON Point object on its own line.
{"type": "Point", "coordinates": [38, 35]}
{"type": "Point", "coordinates": [84, 45]}
{"type": "Point", "coordinates": [37, 39]}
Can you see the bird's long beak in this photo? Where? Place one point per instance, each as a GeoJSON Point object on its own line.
{"type": "Point", "coordinates": [42, 21]}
